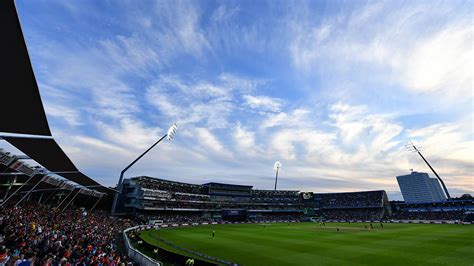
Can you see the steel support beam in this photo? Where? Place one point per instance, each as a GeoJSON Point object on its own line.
{"type": "Point", "coordinates": [29, 192]}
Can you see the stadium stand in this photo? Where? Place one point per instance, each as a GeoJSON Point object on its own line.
{"type": "Point", "coordinates": [429, 215]}
{"type": "Point", "coordinates": [352, 206]}
{"type": "Point", "coordinates": [44, 229]}
{"type": "Point", "coordinates": [41, 235]}
{"type": "Point", "coordinates": [352, 215]}
{"type": "Point", "coordinates": [453, 210]}
{"type": "Point", "coordinates": [48, 220]}
{"type": "Point", "coordinates": [175, 202]}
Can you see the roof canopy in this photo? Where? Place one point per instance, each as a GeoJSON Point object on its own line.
{"type": "Point", "coordinates": [20, 95]}
{"type": "Point", "coordinates": [82, 179]}
{"type": "Point", "coordinates": [22, 102]}
{"type": "Point", "coordinates": [48, 153]}
{"type": "Point", "coordinates": [44, 151]}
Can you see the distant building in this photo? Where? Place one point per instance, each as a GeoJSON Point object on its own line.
{"type": "Point", "coordinates": [419, 187]}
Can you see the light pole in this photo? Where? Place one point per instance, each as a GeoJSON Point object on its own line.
{"type": "Point", "coordinates": [169, 135]}
{"type": "Point", "coordinates": [277, 167]}
{"type": "Point", "coordinates": [411, 147]}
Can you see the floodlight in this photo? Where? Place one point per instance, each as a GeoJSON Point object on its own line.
{"type": "Point", "coordinates": [277, 165]}
{"type": "Point", "coordinates": [169, 135]}
{"type": "Point", "coordinates": [410, 146]}
{"type": "Point", "coordinates": [172, 131]}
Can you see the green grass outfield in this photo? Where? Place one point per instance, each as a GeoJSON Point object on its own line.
{"type": "Point", "coordinates": [310, 244]}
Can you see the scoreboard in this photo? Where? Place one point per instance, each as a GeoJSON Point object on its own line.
{"type": "Point", "coordinates": [308, 195]}
{"type": "Point", "coordinates": [234, 215]}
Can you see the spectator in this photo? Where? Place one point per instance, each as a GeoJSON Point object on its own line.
{"type": "Point", "coordinates": [37, 234]}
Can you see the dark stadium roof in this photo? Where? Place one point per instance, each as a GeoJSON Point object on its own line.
{"type": "Point", "coordinates": [44, 151]}
{"type": "Point", "coordinates": [176, 182]}
{"type": "Point", "coordinates": [20, 95]}
{"type": "Point", "coordinates": [348, 192]}
{"type": "Point", "coordinates": [48, 153]}
{"type": "Point", "coordinates": [223, 184]}
{"type": "Point", "coordinates": [22, 102]}
{"type": "Point", "coordinates": [162, 180]}
{"type": "Point", "coordinates": [82, 179]}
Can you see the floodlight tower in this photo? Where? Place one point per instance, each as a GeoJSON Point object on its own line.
{"type": "Point", "coordinates": [413, 148]}
{"type": "Point", "coordinates": [277, 167]}
{"type": "Point", "coordinates": [169, 135]}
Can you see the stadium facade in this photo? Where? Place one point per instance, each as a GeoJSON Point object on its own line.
{"type": "Point", "coordinates": [419, 187]}
{"type": "Point", "coordinates": [228, 202]}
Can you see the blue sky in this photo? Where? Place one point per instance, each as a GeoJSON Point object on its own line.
{"type": "Point", "coordinates": [332, 89]}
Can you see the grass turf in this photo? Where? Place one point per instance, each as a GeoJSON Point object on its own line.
{"type": "Point", "coordinates": [310, 244]}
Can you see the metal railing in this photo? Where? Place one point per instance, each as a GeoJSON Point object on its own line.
{"type": "Point", "coordinates": [136, 255]}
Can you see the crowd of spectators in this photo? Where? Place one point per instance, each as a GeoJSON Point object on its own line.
{"type": "Point", "coordinates": [32, 234]}
{"type": "Point", "coordinates": [169, 194]}
{"type": "Point", "coordinates": [180, 205]}
{"type": "Point", "coordinates": [428, 215]}
{"type": "Point", "coordinates": [191, 197]}
{"type": "Point", "coordinates": [281, 196]}
{"type": "Point", "coordinates": [209, 205]}
{"type": "Point", "coordinates": [172, 196]}
{"type": "Point", "coordinates": [191, 217]}
{"type": "Point", "coordinates": [351, 199]}
{"type": "Point", "coordinates": [356, 214]}
{"type": "Point", "coordinates": [164, 190]}
{"type": "Point", "coordinates": [180, 218]}
{"type": "Point", "coordinates": [373, 214]}
{"type": "Point", "coordinates": [275, 217]}
{"type": "Point", "coordinates": [165, 185]}
{"type": "Point", "coordinates": [177, 196]}
{"type": "Point", "coordinates": [155, 194]}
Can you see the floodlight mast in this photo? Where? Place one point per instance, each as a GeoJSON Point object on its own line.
{"type": "Point", "coordinates": [277, 167]}
{"type": "Point", "coordinates": [169, 135]}
{"type": "Point", "coordinates": [413, 147]}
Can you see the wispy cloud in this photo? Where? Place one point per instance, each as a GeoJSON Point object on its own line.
{"type": "Point", "coordinates": [223, 13]}
{"type": "Point", "coordinates": [443, 61]}
{"type": "Point", "coordinates": [66, 113]}
{"type": "Point", "coordinates": [332, 92]}
{"type": "Point", "coordinates": [293, 118]}
{"type": "Point", "coordinates": [192, 103]}
{"type": "Point", "coordinates": [246, 142]}
{"type": "Point", "coordinates": [419, 46]}
{"type": "Point", "coordinates": [263, 103]}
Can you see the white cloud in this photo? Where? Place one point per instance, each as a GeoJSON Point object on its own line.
{"type": "Point", "coordinates": [130, 133]}
{"type": "Point", "coordinates": [245, 141]}
{"type": "Point", "coordinates": [178, 28]}
{"type": "Point", "coordinates": [83, 77]}
{"type": "Point", "coordinates": [241, 84]}
{"type": "Point", "coordinates": [443, 61]}
{"type": "Point", "coordinates": [417, 46]}
{"type": "Point", "coordinates": [128, 54]}
{"type": "Point", "coordinates": [200, 102]}
{"type": "Point", "coordinates": [67, 114]}
{"type": "Point", "coordinates": [355, 124]}
{"type": "Point", "coordinates": [285, 143]}
{"type": "Point", "coordinates": [294, 118]}
{"type": "Point", "coordinates": [449, 141]}
{"type": "Point", "coordinates": [196, 103]}
{"type": "Point", "coordinates": [223, 13]}
{"type": "Point", "coordinates": [210, 142]}
{"type": "Point", "coordinates": [190, 33]}
{"type": "Point", "coordinates": [263, 103]}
